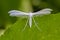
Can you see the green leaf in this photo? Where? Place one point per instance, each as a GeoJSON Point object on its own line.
{"type": "Point", "coordinates": [49, 24]}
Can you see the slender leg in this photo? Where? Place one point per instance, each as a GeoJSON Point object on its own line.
{"type": "Point", "coordinates": [36, 25]}
{"type": "Point", "coordinates": [25, 25]}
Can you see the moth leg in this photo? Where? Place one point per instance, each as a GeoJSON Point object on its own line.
{"type": "Point", "coordinates": [36, 25]}
{"type": "Point", "coordinates": [25, 25]}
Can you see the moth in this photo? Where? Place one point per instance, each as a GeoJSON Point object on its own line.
{"type": "Point", "coordinates": [30, 15]}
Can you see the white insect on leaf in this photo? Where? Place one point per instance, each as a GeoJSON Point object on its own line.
{"type": "Point", "coordinates": [30, 15]}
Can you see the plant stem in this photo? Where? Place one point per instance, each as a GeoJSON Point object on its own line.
{"type": "Point", "coordinates": [25, 5]}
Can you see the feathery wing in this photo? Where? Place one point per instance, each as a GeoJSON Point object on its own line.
{"type": "Point", "coordinates": [17, 13]}
{"type": "Point", "coordinates": [44, 11]}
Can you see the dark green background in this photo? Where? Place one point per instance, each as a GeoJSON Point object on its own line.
{"type": "Point", "coordinates": [49, 24]}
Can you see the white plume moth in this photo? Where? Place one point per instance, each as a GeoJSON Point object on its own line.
{"type": "Point", "coordinates": [30, 15]}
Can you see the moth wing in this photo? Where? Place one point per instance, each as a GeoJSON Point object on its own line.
{"type": "Point", "coordinates": [43, 11]}
{"type": "Point", "coordinates": [17, 13]}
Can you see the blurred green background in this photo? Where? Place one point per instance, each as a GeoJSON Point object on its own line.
{"type": "Point", "coordinates": [30, 5]}
{"type": "Point", "coordinates": [26, 6]}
